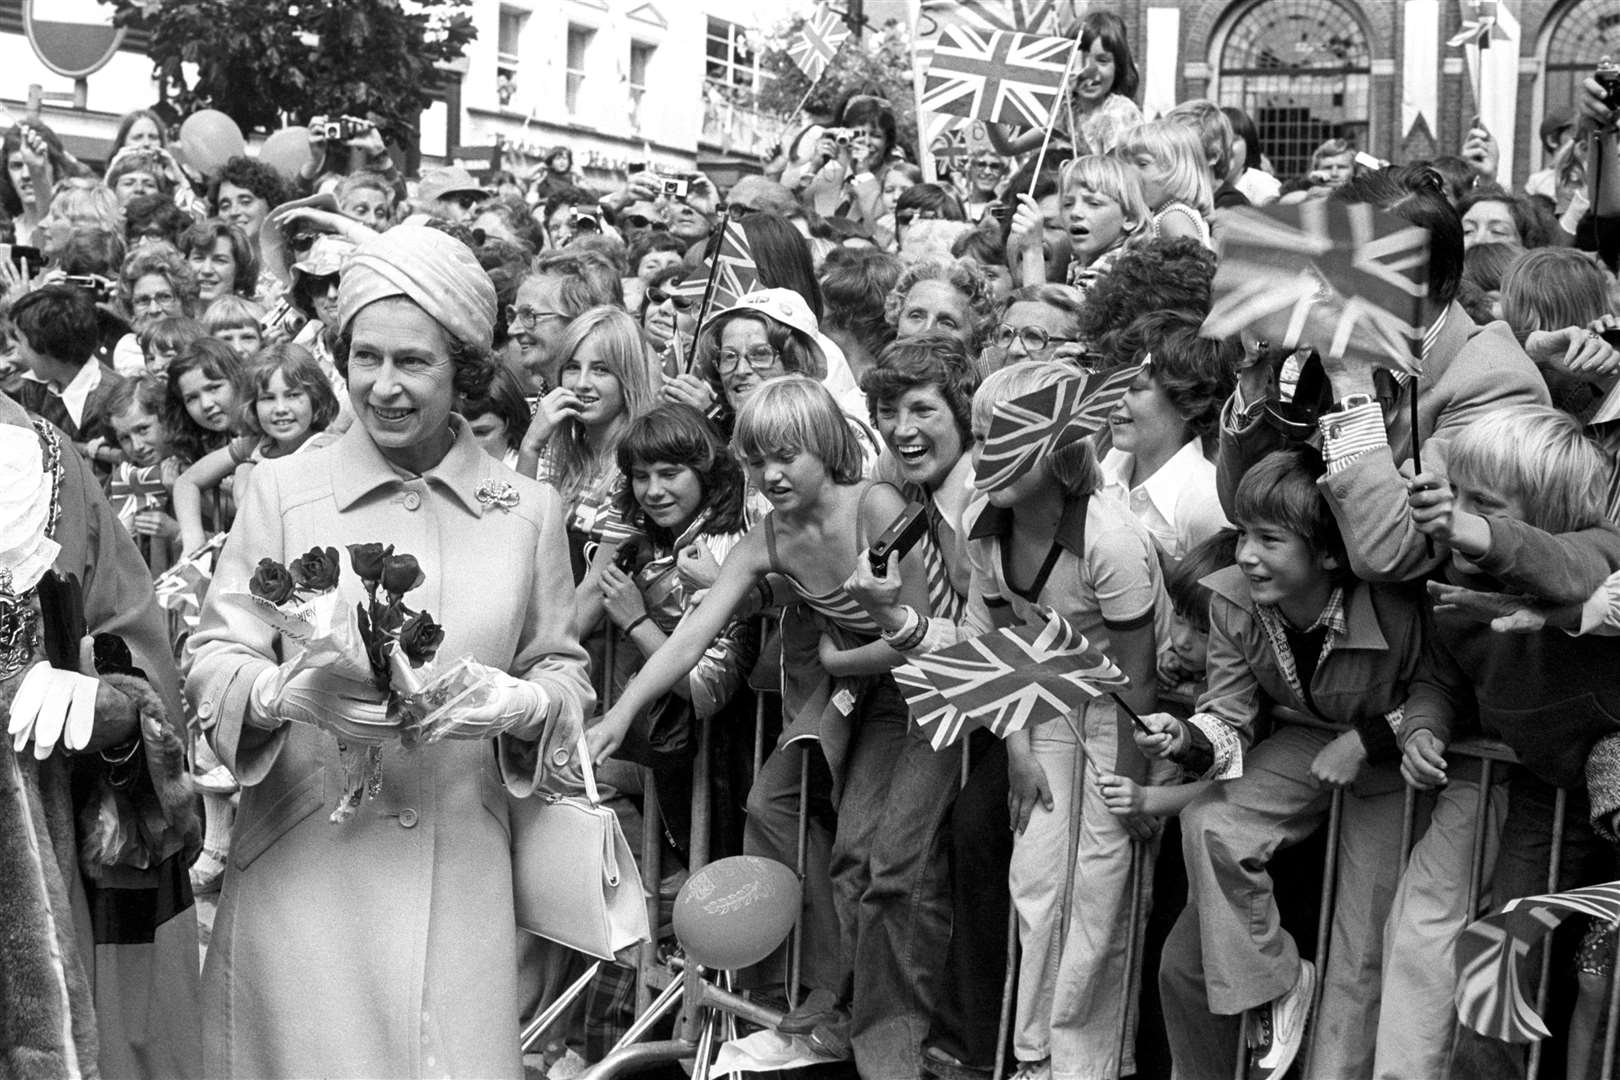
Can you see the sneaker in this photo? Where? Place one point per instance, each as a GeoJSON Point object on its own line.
{"type": "Point", "coordinates": [942, 1065]}
{"type": "Point", "coordinates": [818, 1007]}
{"type": "Point", "coordinates": [1278, 1027]}
{"type": "Point", "coordinates": [1034, 1070]}
{"type": "Point", "coordinates": [831, 1038]}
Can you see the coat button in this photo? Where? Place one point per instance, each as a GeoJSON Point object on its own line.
{"type": "Point", "coordinates": [412, 500]}
{"type": "Point", "coordinates": [407, 818]}
{"type": "Point", "coordinates": [205, 709]}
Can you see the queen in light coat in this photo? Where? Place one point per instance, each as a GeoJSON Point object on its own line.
{"type": "Point", "coordinates": [383, 946]}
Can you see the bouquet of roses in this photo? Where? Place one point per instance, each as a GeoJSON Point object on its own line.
{"type": "Point", "coordinates": [381, 641]}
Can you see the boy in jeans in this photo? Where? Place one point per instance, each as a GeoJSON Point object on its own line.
{"type": "Point", "coordinates": [1521, 510]}
{"type": "Point", "coordinates": [1289, 627]}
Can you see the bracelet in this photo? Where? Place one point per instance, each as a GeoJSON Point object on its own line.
{"type": "Point", "coordinates": [637, 621]}
{"type": "Point", "coordinates": [910, 634]}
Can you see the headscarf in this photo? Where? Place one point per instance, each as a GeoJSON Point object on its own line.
{"type": "Point", "coordinates": [434, 270]}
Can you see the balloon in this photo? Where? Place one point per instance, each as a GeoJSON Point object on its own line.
{"type": "Point", "coordinates": [734, 912]}
{"type": "Point", "coordinates": [287, 151]}
{"type": "Point", "coordinates": [209, 139]}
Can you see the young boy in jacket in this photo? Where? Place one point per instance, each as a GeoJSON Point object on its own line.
{"type": "Point", "coordinates": [1290, 628]}
{"type": "Point", "coordinates": [1523, 512]}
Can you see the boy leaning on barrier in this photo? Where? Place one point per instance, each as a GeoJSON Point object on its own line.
{"type": "Point", "coordinates": [1521, 510]}
{"type": "Point", "coordinates": [1289, 627]}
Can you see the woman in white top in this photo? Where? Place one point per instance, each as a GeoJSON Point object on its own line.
{"type": "Point", "coordinates": [1157, 462]}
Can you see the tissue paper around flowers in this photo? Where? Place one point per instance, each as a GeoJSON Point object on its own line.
{"type": "Point", "coordinates": [455, 702]}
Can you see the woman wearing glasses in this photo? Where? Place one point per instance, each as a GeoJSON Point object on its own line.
{"type": "Point", "coordinates": [668, 318]}
{"type": "Point", "coordinates": [1042, 322]}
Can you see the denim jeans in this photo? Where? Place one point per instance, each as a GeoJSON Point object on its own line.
{"type": "Point", "coordinates": [889, 881]}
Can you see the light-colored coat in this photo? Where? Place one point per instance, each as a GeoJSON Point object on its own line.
{"type": "Point", "coordinates": [383, 946]}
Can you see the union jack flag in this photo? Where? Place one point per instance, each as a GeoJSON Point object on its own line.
{"type": "Point", "coordinates": [1028, 428]}
{"type": "Point", "coordinates": [997, 76]}
{"type": "Point", "coordinates": [1019, 16]}
{"type": "Point", "coordinates": [1347, 281]}
{"type": "Point", "coordinates": [1480, 30]}
{"type": "Point", "coordinates": [732, 270]}
{"type": "Point", "coordinates": [1006, 680]}
{"type": "Point", "coordinates": [822, 35]}
{"type": "Point", "coordinates": [180, 588]}
{"type": "Point", "coordinates": [132, 489]}
{"type": "Point", "coordinates": [1494, 994]}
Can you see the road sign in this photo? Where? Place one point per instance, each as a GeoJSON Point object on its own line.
{"type": "Point", "coordinates": [71, 37]}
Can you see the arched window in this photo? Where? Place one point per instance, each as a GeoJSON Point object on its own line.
{"type": "Point", "coordinates": [1573, 40]}
{"type": "Point", "coordinates": [1302, 70]}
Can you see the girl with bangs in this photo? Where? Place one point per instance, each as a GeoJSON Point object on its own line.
{"type": "Point", "coordinates": [1104, 210]}
{"type": "Point", "coordinates": [799, 451]}
{"type": "Point", "coordinates": [1176, 181]}
{"type": "Point", "coordinates": [1100, 106]}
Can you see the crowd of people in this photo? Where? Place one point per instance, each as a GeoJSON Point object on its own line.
{"type": "Point", "coordinates": [637, 517]}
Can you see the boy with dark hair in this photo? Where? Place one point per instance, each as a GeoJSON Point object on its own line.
{"type": "Point", "coordinates": [1521, 510]}
{"type": "Point", "coordinates": [57, 330]}
{"type": "Point", "coordinates": [1289, 628]}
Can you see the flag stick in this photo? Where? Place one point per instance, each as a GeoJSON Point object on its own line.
{"type": "Point", "coordinates": [719, 240]}
{"type": "Point", "coordinates": [1051, 121]}
{"type": "Point", "coordinates": [1130, 712]}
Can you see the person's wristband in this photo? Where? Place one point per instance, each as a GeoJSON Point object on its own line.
{"type": "Point", "coordinates": [635, 622]}
{"type": "Point", "coordinates": [910, 634]}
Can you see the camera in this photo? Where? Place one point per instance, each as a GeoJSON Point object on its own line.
{"type": "Point", "coordinates": [674, 187]}
{"type": "Point", "coordinates": [340, 129]}
{"type": "Point", "coordinates": [842, 136]}
{"type": "Point", "coordinates": [97, 286]}
{"type": "Point", "coordinates": [584, 221]}
{"type": "Point", "coordinates": [28, 260]}
{"type": "Point", "coordinates": [1608, 77]}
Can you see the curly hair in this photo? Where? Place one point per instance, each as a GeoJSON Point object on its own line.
{"type": "Point", "coordinates": [679, 434]}
{"type": "Point", "coordinates": [855, 285]}
{"type": "Point", "coordinates": [89, 250]}
{"type": "Point", "coordinates": [1154, 275]}
{"type": "Point", "coordinates": [1195, 373]}
{"type": "Point", "coordinates": [155, 217]}
{"type": "Point", "coordinates": [933, 359]}
{"type": "Point", "coordinates": [251, 175]}
{"type": "Point", "coordinates": [588, 279]}
{"type": "Point", "coordinates": [965, 277]}
{"type": "Point", "coordinates": [164, 261]}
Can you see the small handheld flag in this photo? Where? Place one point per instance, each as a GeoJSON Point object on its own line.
{"type": "Point", "coordinates": [997, 76]}
{"type": "Point", "coordinates": [1032, 427]}
{"type": "Point", "coordinates": [822, 35]}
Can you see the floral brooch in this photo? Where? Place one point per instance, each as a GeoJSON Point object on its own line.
{"type": "Point", "coordinates": [496, 494]}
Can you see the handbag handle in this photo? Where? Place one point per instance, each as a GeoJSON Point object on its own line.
{"type": "Point", "coordinates": [586, 771]}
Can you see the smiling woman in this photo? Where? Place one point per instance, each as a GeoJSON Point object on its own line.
{"type": "Point", "coordinates": [416, 315]}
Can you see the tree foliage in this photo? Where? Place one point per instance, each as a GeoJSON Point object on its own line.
{"type": "Point", "coordinates": [880, 64]}
{"type": "Point", "coordinates": [260, 60]}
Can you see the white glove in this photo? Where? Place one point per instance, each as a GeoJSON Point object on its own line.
{"type": "Point", "coordinates": [53, 706]}
{"type": "Point", "coordinates": [352, 708]}
{"type": "Point", "coordinates": [496, 704]}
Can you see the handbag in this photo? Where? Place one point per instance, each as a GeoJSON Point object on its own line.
{"type": "Point", "coordinates": [574, 878]}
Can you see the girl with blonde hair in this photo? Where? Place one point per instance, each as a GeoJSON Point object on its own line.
{"type": "Point", "coordinates": [1176, 180]}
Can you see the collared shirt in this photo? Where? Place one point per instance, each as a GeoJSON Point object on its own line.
{"type": "Point", "coordinates": [76, 394]}
{"type": "Point", "coordinates": [1331, 619]}
{"type": "Point", "coordinates": [1178, 505]}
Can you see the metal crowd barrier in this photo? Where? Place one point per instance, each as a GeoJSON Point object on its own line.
{"type": "Point", "coordinates": [1492, 757]}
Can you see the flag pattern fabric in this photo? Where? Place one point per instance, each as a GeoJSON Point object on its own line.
{"type": "Point", "coordinates": [132, 489]}
{"type": "Point", "coordinates": [822, 35]}
{"type": "Point", "coordinates": [1480, 28]}
{"type": "Point", "coordinates": [1494, 988]}
{"type": "Point", "coordinates": [997, 76]}
{"type": "Point", "coordinates": [733, 268]}
{"type": "Point", "coordinates": [180, 588]}
{"type": "Point", "coordinates": [1028, 428]}
{"type": "Point", "coordinates": [1006, 680]}
{"type": "Point", "coordinates": [1347, 281]}
{"type": "Point", "coordinates": [1021, 16]}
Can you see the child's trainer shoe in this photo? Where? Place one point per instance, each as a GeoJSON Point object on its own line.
{"type": "Point", "coordinates": [1277, 1028]}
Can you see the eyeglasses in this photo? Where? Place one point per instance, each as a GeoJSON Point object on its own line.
{"type": "Point", "coordinates": [641, 221]}
{"type": "Point", "coordinates": [528, 316]}
{"type": "Point", "coordinates": [157, 300]}
{"type": "Point", "coordinates": [907, 216]}
{"type": "Point", "coordinates": [760, 357]}
{"type": "Point", "coordinates": [988, 166]}
{"type": "Point", "coordinates": [1034, 338]}
{"type": "Point", "coordinates": [738, 211]}
{"type": "Point", "coordinates": [682, 303]}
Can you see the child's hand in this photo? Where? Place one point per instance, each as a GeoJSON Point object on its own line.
{"type": "Point", "coordinates": [1579, 350]}
{"type": "Point", "coordinates": [1169, 736]}
{"type": "Point", "coordinates": [559, 404]}
{"type": "Point", "coordinates": [621, 599]}
{"type": "Point", "coordinates": [696, 566]}
{"type": "Point", "coordinates": [1432, 502]}
{"type": "Point", "coordinates": [1027, 786]}
{"type": "Point", "coordinates": [1028, 225]}
{"type": "Point", "coordinates": [1504, 612]}
{"type": "Point", "coordinates": [1479, 149]}
{"type": "Point", "coordinates": [1122, 795]}
{"type": "Point", "coordinates": [1423, 764]}
{"type": "Point", "coordinates": [1339, 762]}
{"type": "Point", "coordinates": [603, 737]}
{"type": "Point", "coordinates": [156, 523]}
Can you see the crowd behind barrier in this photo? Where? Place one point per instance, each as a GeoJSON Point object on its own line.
{"type": "Point", "coordinates": [708, 517]}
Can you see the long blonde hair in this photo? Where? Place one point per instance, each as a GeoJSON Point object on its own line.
{"type": "Point", "coordinates": [571, 461]}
